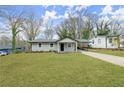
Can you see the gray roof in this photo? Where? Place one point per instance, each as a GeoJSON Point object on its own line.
{"type": "Point", "coordinates": [82, 40]}
{"type": "Point", "coordinates": [55, 40]}
{"type": "Point", "coordinates": [44, 40]}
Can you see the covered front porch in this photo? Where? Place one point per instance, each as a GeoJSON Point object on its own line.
{"type": "Point", "coordinates": [67, 46]}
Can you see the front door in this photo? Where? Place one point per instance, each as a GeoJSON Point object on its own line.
{"type": "Point", "coordinates": [62, 47]}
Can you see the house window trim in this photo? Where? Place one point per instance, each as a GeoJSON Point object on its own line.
{"type": "Point", "coordinates": [51, 44]}
{"type": "Point", "coordinates": [92, 41]}
{"type": "Point", "coordinates": [111, 40]}
{"type": "Point", "coordinates": [99, 41]}
{"type": "Point", "coordinates": [69, 45]}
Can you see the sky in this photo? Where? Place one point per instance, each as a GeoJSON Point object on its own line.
{"type": "Point", "coordinates": [60, 12]}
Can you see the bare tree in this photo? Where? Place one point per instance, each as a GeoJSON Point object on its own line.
{"type": "Point", "coordinates": [49, 30]}
{"type": "Point", "coordinates": [21, 43]}
{"type": "Point", "coordinates": [87, 31]}
{"type": "Point", "coordinates": [63, 32]}
{"type": "Point", "coordinates": [13, 22]}
{"type": "Point", "coordinates": [68, 28]}
{"type": "Point", "coordinates": [31, 26]}
{"type": "Point", "coordinates": [115, 27]}
{"type": "Point", "coordinates": [103, 27]}
{"type": "Point", "coordinates": [76, 29]}
{"type": "Point", "coordinates": [5, 42]}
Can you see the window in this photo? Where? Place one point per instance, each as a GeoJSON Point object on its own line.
{"type": "Point", "coordinates": [69, 44]}
{"type": "Point", "coordinates": [99, 41]}
{"type": "Point", "coordinates": [93, 42]}
{"type": "Point", "coordinates": [110, 40]}
{"type": "Point", "coordinates": [51, 45]}
{"type": "Point", "coordinates": [39, 44]}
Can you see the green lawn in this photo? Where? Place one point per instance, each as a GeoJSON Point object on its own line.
{"type": "Point", "coordinates": [52, 69]}
{"type": "Point", "coordinates": [110, 52]}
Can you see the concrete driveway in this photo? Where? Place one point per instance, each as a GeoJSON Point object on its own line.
{"type": "Point", "coordinates": [105, 57]}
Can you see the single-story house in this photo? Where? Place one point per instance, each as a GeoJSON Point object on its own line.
{"type": "Point", "coordinates": [122, 41]}
{"type": "Point", "coordinates": [62, 45]}
{"type": "Point", "coordinates": [111, 41]}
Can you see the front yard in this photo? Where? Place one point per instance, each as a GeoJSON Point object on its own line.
{"type": "Point", "coordinates": [110, 52]}
{"type": "Point", "coordinates": [52, 69]}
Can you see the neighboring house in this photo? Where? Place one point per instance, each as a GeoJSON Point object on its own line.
{"type": "Point", "coordinates": [98, 42]}
{"type": "Point", "coordinates": [122, 41]}
{"type": "Point", "coordinates": [63, 45]}
{"type": "Point", "coordinates": [83, 43]}
{"type": "Point", "coordinates": [106, 42]}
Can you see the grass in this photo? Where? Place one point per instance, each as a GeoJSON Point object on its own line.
{"type": "Point", "coordinates": [61, 70]}
{"type": "Point", "coordinates": [110, 52]}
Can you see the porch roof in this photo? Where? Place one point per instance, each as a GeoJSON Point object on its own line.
{"type": "Point", "coordinates": [67, 40]}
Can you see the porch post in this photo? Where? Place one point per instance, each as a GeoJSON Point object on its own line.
{"type": "Point", "coordinates": [76, 46]}
{"type": "Point", "coordinates": [58, 47]}
{"type": "Point", "coordinates": [106, 41]}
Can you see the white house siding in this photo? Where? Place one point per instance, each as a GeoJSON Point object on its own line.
{"type": "Point", "coordinates": [111, 45]}
{"type": "Point", "coordinates": [96, 44]}
{"type": "Point", "coordinates": [102, 44]}
{"type": "Point", "coordinates": [44, 47]}
{"type": "Point", "coordinates": [122, 41]}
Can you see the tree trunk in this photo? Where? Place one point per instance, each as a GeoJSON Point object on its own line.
{"type": "Point", "coordinates": [30, 47]}
{"type": "Point", "coordinates": [14, 40]}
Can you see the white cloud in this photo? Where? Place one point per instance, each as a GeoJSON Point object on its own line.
{"type": "Point", "coordinates": [63, 16]}
{"type": "Point", "coordinates": [53, 16]}
{"type": "Point", "coordinates": [66, 15]}
{"type": "Point", "coordinates": [106, 10]}
{"type": "Point", "coordinates": [80, 7]}
{"type": "Point", "coordinates": [115, 15]}
{"type": "Point", "coordinates": [72, 8]}
{"type": "Point", "coordinates": [94, 12]}
{"type": "Point", "coordinates": [118, 14]}
{"type": "Point", "coordinates": [45, 6]}
{"type": "Point", "coordinates": [120, 11]}
{"type": "Point", "coordinates": [49, 15]}
{"type": "Point", "coordinates": [69, 8]}
{"type": "Point", "coordinates": [118, 17]}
